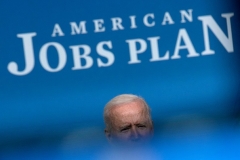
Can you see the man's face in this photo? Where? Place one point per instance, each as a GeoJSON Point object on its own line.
{"type": "Point", "coordinates": [130, 123]}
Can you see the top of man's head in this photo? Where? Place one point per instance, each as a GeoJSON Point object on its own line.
{"type": "Point", "coordinates": [127, 118]}
{"type": "Point", "coordinates": [119, 100]}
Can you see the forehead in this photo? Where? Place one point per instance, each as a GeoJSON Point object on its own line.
{"type": "Point", "coordinates": [134, 109]}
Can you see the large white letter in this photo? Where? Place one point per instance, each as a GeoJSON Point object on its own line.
{"type": "Point", "coordinates": [186, 15]}
{"type": "Point", "coordinates": [98, 23]}
{"type": "Point", "coordinates": [155, 50]}
{"type": "Point", "coordinates": [62, 57]}
{"type": "Point", "coordinates": [227, 42]}
{"type": "Point", "coordinates": [57, 29]}
{"type": "Point", "coordinates": [145, 20]}
{"type": "Point", "coordinates": [183, 35]}
{"type": "Point", "coordinates": [167, 18]}
{"type": "Point", "coordinates": [28, 55]}
{"type": "Point", "coordinates": [116, 23]}
{"type": "Point", "coordinates": [107, 54]}
{"type": "Point", "coordinates": [77, 56]}
{"type": "Point", "coordinates": [133, 22]}
{"type": "Point", "coordinates": [78, 29]}
{"type": "Point", "coordinates": [133, 49]}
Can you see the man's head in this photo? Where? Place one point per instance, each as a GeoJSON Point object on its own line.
{"type": "Point", "coordinates": [127, 118]}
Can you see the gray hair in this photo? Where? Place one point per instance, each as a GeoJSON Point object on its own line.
{"type": "Point", "coordinates": [119, 100]}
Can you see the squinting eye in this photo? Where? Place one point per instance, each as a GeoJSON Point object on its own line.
{"type": "Point", "coordinates": [141, 126]}
{"type": "Point", "coordinates": [124, 129]}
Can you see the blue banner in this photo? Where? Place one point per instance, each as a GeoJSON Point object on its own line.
{"type": "Point", "coordinates": [62, 61]}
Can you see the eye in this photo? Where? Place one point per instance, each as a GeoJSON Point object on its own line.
{"type": "Point", "coordinates": [141, 126]}
{"type": "Point", "coordinates": [125, 129]}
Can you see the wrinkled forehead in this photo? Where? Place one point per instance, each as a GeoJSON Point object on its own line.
{"type": "Point", "coordinates": [131, 109]}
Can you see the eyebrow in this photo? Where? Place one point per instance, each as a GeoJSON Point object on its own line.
{"type": "Point", "coordinates": [124, 126]}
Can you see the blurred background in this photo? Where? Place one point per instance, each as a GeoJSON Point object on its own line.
{"type": "Point", "coordinates": [53, 109]}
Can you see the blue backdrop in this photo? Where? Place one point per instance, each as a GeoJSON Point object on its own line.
{"type": "Point", "coordinates": [83, 53]}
